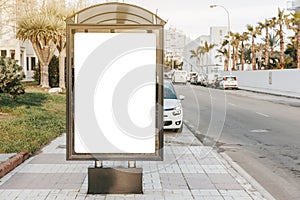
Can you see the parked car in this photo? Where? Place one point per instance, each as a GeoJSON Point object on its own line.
{"type": "Point", "coordinates": [197, 79]}
{"type": "Point", "coordinates": [173, 113]}
{"type": "Point", "coordinates": [218, 82]}
{"type": "Point", "coordinates": [190, 75]}
{"type": "Point", "coordinates": [179, 76]}
{"type": "Point", "coordinates": [210, 79]}
{"type": "Point", "coordinates": [229, 82]}
{"type": "Point", "coordinates": [194, 79]}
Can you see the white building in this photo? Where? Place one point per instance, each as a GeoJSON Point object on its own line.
{"type": "Point", "coordinates": [174, 43]}
{"type": "Point", "coordinates": [293, 5]}
{"type": "Point", "coordinates": [9, 45]}
{"type": "Point", "coordinates": [210, 60]}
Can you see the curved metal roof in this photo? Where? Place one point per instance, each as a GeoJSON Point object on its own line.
{"type": "Point", "coordinates": [115, 13]}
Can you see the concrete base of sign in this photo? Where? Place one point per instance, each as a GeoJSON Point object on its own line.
{"type": "Point", "coordinates": [115, 180]}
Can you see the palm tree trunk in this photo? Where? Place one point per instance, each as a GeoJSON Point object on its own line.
{"type": "Point", "coordinates": [44, 75]}
{"type": "Point", "coordinates": [236, 58]}
{"type": "Point", "coordinates": [243, 56]}
{"type": "Point", "coordinates": [61, 60]}
{"type": "Point", "coordinates": [233, 58]}
{"type": "Point", "coordinates": [206, 63]}
{"type": "Point", "coordinates": [267, 48]}
{"type": "Point", "coordinates": [281, 46]}
{"type": "Point", "coordinates": [253, 55]}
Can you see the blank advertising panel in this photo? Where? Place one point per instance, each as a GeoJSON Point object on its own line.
{"type": "Point", "coordinates": [114, 93]}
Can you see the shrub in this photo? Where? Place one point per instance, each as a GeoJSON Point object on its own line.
{"type": "Point", "coordinates": [11, 75]}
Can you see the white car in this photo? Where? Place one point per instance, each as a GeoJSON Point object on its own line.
{"type": "Point", "coordinates": [229, 82]}
{"type": "Point", "coordinates": [179, 76]}
{"type": "Point", "coordinates": [173, 114]}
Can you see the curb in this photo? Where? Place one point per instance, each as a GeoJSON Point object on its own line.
{"type": "Point", "coordinates": [239, 170]}
{"type": "Point", "coordinates": [246, 176]}
{"type": "Point", "coordinates": [12, 163]}
{"type": "Point", "coordinates": [269, 93]}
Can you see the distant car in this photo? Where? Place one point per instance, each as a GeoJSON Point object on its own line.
{"type": "Point", "coordinates": [190, 75]}
{"type": "Point", "coordinates": [179, 76]}
{"type": "Point", "coordinates": [210, 79]}
{"type": "Point", "coordinates": [218, 82]}
{"type": "Point", "coordinates": [229, 82]}
{"type": "Point", "coordinates": [173, 113]}
{"type": "Point", "coordinates": [194, 78]}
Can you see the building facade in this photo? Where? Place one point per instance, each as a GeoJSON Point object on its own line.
{"type": "Point", "coordinates": [208, 61]}
{"type": "Point", "coordinates": [174, 43]}
{"type": "Point", "coordinates": [9, 45]}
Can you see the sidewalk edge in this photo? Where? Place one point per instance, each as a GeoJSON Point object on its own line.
{"type": "Point", "coordinates": [12, 163]}
{"type": "Point", "coordinates": [269, 93]}
{"type": "Point", "coordinates": [246, 176]}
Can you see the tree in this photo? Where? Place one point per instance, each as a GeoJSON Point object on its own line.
{"type": "Point", "coordinates": [281, 19]}
{"type": "Point", "coordinates": [224, 53]}
{"type": "Point", "coordinates": [259, 48]}
{"type": "Point", "coordinates": [273, 43]}
{"type": "Point", "coordinates": [268, 24]}
{"type": "Point", "coordinates": [236, 37]}
{"type": "Point", "coordinates": [207, 48]}
{"type": "Point", "coordinates": [291, 53]}
{"type": "Point", "coordinates": [58, 9]}
{"type": "Point", "coordinates": [293, 23]}
{"type": "Point", "coordinates": [43, 30]}
{"type": "Point", "coordinates": [197, 54]}
{"type": "Point", "coordinates": [244, 37]}
{"type": "Point", "coordinates": [253, 31]}
{"type": "Point", "coordinates": [10, 77]}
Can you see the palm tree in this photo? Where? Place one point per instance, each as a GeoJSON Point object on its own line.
{"type": "Point", "coordinates": [235, 41]}
{"type": "Point", "coordinates": [43, 30]}
{"type": "Point", "coordinates": [244, 37]}
{"type": "Point", "coordinates": [259, 48]}
{"type": "Point", "coordinates": [224, 53]}
{"type": "Point", "coordinates": [268, 24]}
{"type": "Point", "coordinates": [280, 21]}
{"type": "Point", "coordinates": [59, 10]}
{"type": "Point", "coordinates": [207, 48]}
{"type": "Point", "coordinates": [253, 31]}
{"type": "Point", "coordinates": [197, 54]}
{"type": "Point", "coordinates": [273, 43]}
{"type": "Point", "coordinates": [293, 22]}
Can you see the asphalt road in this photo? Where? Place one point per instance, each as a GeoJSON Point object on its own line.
{"type": "Point", "coordinates": [260, 132]}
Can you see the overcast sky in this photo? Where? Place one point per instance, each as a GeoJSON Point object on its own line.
{"type": "Point", "coordinates": [194, 17]}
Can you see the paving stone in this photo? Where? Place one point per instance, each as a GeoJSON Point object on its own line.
{"type": "Point", "coordinates": [44, 181]}
{"type": "Point", "coordinates": [173, 181]}
{"type": "Point", "coordinates": [55, 159]}
{"type": "Point", "coordinates": [199, 181]}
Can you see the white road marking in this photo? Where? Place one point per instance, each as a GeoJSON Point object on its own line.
{"type": "Point", "coordinates": [231, 104]}
{"type": "Point", "coordinates": [259, 131]}
{"type": "Point", "coordinates": [262, 114]}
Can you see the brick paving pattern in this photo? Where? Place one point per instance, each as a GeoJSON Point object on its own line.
{"type": "Point", "coordinates": [189, 171]}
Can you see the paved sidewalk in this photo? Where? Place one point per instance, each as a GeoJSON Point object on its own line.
{"type": "Point", "coordinates": [189, 171]}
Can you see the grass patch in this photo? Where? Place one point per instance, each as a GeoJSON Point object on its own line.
{"type": "Point", "coordinates": [31, 121]}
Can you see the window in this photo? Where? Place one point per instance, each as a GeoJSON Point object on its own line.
{"type": "Point", "coordinates": [12, 54]}
{"type": "Point", "coordinates": [27, 63]}
{"type": "Point", "coordinates": [3, 53]}
{"type": "Point", "coordinates": [33, 63]}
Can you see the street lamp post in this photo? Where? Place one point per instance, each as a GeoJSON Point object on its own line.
{"type": "Point", "coordinates": [228, 29]}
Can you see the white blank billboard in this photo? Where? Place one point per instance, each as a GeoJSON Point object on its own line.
{"type": "Point", "coordinates": [115, 86]}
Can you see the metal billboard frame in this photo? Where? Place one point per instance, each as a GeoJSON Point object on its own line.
{"type": "Point", "coordinates": [115, 18]}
